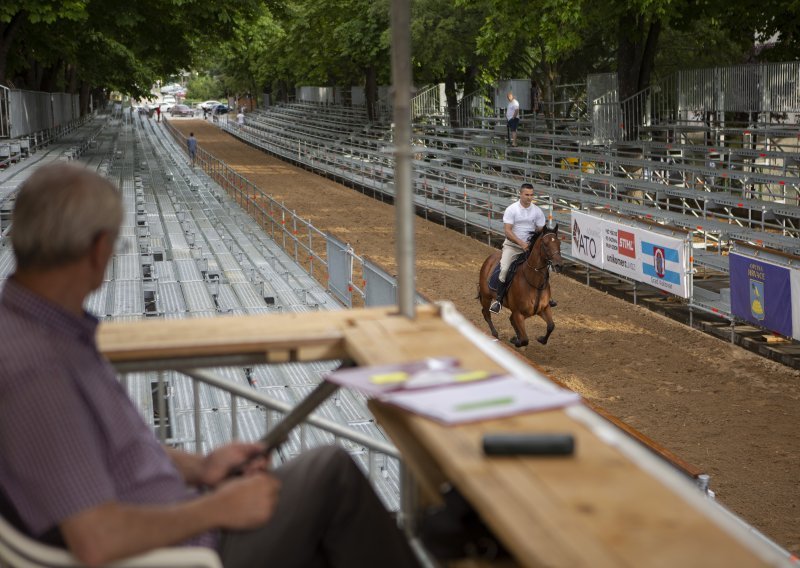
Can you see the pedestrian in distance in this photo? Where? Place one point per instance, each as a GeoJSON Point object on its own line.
{"type": "Point", "coordinates": [512, 118]}
{"type": "Point", "coordinates": [191, 146]}
{"type": "Point", "coordinates": [158, 113]}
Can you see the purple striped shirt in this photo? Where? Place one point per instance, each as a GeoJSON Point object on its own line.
{"type": "Point", "coordinates": [70, 438]}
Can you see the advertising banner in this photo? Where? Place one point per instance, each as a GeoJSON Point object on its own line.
{"type": "Point", "coordinates": [761, 293]}
{"type": "Point", "coordinates": [587, 239]}
{"type": "Point", "coordinates": [636, 253]}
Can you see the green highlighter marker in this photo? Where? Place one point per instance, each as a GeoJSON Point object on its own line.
{"type": "Point", "coordinates": [467, 406]}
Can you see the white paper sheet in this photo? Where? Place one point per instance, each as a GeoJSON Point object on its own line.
{"type": "Point", "coordinates": [482, 400]}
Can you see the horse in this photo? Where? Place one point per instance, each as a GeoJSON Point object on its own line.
{"type": "Point", "coordinates": [529, 291]}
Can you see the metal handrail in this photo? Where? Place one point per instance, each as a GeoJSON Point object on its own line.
{"type": "Point", "coordinates": [329, 426]}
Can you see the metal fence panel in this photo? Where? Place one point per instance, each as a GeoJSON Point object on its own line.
{"type": "Point", "coordinates": [340, 270]}
{"type": "Point", "coordinates": [521, 89]}
{"type": "Point", "coordinates": [29, 112]}
{"type": "Point", "coordinates": [381, 287]}
{"type": "Point", "coordinates": [599, 84]}
{"type": "Point", "coordinates": [316, 94]}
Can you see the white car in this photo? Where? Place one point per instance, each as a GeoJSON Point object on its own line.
{"type": "Point", "coordinates": [209, 105]}
{"type": "Point", "coordinates": [170, 88]}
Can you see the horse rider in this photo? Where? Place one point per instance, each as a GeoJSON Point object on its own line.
{"type": "Point", "coordinates": [520, 219]}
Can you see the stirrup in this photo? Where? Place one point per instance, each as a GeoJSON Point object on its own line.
{"type": "Point", "coordinates": [495, 307]}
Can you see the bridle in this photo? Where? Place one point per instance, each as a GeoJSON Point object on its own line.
{"type": "Point", "coordinates": [548, 260]}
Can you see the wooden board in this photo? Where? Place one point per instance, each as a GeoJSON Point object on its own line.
{"type": "Point", "coordinates": [596, 508]}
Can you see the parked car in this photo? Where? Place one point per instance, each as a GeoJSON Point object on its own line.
{"type": "Point", "coordinates": [221, 109]}
{"type": "Point", "coordinates": [181, 110]}
{"type": "Point", "coordinates": [209, 105]}
{"type": "Point", "coordinates": [171, 88]}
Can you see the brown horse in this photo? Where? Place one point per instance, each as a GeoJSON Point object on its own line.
{"type": "Point", "coordinates": [529, 293]}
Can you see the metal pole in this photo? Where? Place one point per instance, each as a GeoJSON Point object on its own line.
{"type": "Point", "coordinates": [404, 205]}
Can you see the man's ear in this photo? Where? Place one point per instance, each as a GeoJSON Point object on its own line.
{"type": "Point", "coordinates": [102, 248]}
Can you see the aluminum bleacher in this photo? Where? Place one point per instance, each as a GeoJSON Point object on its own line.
{"type": "Point", "coordinates": [186, 250]}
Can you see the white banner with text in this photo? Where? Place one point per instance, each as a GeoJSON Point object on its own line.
{"type": "Point", "coordinates": [639, 254]}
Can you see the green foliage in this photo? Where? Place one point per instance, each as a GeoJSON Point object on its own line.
{"type": "Point", "coordinates": [253, 45]}
{"type": "Point", "coordinates": [204, 87]}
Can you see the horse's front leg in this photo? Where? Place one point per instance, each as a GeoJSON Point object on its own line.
{"type": "Point", "coordinates": [518, 323]}
{"type": "Point", "coordinates": [547, 315]}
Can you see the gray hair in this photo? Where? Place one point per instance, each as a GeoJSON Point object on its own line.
{"type": "Point", "coordinates": [59, 212]}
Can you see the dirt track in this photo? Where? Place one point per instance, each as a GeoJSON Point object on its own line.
{"type": "Point", "coordinates": [729, 412]}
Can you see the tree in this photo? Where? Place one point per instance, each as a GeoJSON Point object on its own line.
{"type": "Point", "coordinates": [444, 40]}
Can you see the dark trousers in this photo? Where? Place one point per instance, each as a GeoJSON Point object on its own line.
{"type": "Point", "coordinates": [327, 516]}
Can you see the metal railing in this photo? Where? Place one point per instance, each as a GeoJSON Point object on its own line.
{"type": "Point", "coordinates": [275, 407]}
{"type": "Point", "coordinates": [426, 103]}
{"type": "Point", "coordinates": [765, 92]}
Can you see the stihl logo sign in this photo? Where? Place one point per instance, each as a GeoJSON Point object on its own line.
{"type": "Point", "coordinates": [626, 243]}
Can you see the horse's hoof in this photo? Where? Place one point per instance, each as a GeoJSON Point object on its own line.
{"type": "Point", "coordinates": [542, 340]}
{"type": "Point", "coordinates": [523, 343]}
{"type": "Point", "coordinates": [495, 334]}
{"type": "Point", "coordinates": [513, 341]}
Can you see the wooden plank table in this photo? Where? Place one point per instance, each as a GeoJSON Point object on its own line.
{"type": "Point", "coordinates": [601, 507]}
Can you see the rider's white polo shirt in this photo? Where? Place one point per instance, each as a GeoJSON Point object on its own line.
{"type": "Point", "coordinates": [525, 220]}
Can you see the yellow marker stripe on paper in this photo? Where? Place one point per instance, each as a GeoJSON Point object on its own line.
{"type": "Point", "coordinates": [389, 378]}
{"type": "Point", "coordinates": [472, 376]}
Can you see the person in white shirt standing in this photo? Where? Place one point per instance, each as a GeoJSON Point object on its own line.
{"type": "Point", "coordinates": [520, 219]}
{"type": "Point", "coordinates": [512, 117]}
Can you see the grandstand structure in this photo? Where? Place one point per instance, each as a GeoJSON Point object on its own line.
{"type": "Point", "coordinates": [720, 180]}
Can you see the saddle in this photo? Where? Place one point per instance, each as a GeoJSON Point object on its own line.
{"type": "Point", "coordinates": [494, 277]}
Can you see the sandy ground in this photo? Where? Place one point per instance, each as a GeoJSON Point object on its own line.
{"type": "Point", "coordinates": [725, 410]}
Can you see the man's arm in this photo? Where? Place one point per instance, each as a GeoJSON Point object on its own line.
{"type": "Point", "coordinates": [111, 531]}
{"type": "Point", "coordinates": [508, 230]}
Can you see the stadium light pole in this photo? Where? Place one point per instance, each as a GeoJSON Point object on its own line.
{"type": "Point", "coordinates": [403, 197]}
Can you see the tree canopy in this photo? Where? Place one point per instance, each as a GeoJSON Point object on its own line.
{"type": "Point", "coordinates": [252, 46]}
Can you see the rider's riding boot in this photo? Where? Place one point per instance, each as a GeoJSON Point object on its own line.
{"type": "Point", "coordinates": [498, 303]}
{"type": "Point", "coordinates": [553, 303]}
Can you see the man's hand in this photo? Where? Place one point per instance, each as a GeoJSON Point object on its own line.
{"type": "Point", "coordinates": [217, 465]}
{"type": "Point", "coordinates": [247, 502]}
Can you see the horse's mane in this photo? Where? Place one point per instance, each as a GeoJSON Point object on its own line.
{"type": "Point", "coordinates": [534, 235]}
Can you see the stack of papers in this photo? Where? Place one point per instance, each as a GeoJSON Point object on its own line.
{"type": "Point", "coordinates": [440, 389]}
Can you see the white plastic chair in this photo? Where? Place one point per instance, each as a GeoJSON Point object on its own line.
{"type": "Point", "coordinates": [19, 551]}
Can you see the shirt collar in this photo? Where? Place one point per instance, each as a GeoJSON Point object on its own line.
{"type": "Point", "coordinates": [17, 298]}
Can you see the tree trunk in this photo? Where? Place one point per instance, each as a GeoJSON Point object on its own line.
{"type": "Point", "coordinates": [636, 52]}
{"type": "Point", "coordinates": [49, 77]}
{"type": "Point", "coordinates": [8, 32]}
{"type": "Point", "coordinates": [371, 93]}
{"type": "Point", "coordinates": [451, 94]}
{"type": "Point", "coordinates": [84, 98]}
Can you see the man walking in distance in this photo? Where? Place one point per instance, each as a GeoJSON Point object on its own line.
{"type": "Point", "coordinates": [80, 468]}
{"type": "Point", "coordinates": [512, 117]}
{"type": "Point", "coordinates": [520, 219]}
{"type": "Point", "coordinates": [191, 146]}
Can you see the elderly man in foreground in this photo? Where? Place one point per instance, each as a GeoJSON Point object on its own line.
{"type": "Point", "coordinates": [80, 468]}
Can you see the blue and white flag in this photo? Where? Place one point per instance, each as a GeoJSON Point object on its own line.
{"type": "Point", "coordinates": [661, 262]}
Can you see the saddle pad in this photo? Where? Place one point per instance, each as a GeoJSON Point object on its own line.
{"type": "Point", "coordinates": [494, 278]}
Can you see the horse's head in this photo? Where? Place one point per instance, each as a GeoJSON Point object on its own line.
{"type": "Point", "coordinates": [551, 248]}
